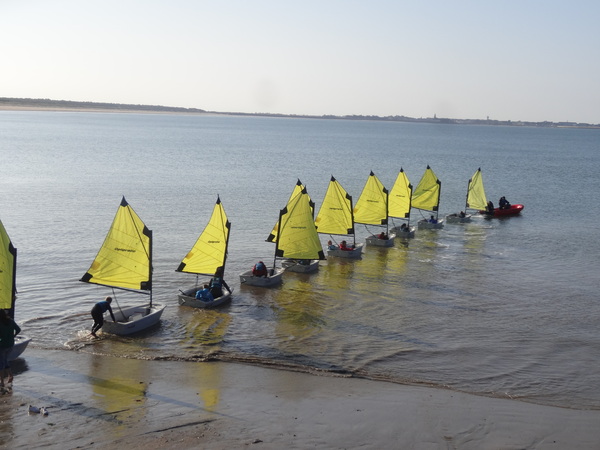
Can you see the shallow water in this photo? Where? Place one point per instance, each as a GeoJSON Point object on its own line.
{"type": "Point", "coordinates": [496, 307]}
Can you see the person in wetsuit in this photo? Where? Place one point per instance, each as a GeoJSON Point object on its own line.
{"type": "Point", "coordinates": [98, 314]}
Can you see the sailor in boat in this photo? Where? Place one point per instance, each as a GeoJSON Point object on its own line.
{"type": "Point", "coordinates": [98, 314]}
{"type": "Point", "coordinates": [205, 294]}
{"type": "Point", "coordinates": [344, 246]}
{"type": "Point", "coordinates": [490, 208]}
{"type": "Point", "coordinates": [432, 220]}
{"type": "Point", "coordinates": [8, 330]}
{"type": "Point", "coordinates": [461, 214]}
{"type": "Point", "coordinates": [383, 236]}
{"type": "Point", "coordinates": [331, 245]}
{"type": "Point", "coordinates": [503, 203]}
{"type": "Point", "coordinates": [404, 228]}
{"type": "Point", "coordinates": [259, 270]}
{"type": "Point", "coordinates": [217, 282]}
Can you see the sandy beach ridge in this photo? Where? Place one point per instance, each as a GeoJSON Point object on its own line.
{"type": "Point", "coordinates": [103, 402]}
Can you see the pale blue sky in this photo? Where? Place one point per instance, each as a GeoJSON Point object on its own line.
{"type": "Point", "coordinates": [509, 60]}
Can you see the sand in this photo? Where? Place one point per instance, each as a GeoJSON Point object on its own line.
{"type": "Point", "coordinates": [106, 402]}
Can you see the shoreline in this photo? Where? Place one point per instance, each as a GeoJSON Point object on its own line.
{"type": "Point", "coordinates": [101, 110]}
{"type": "Point", "coordinates": [13, 104]}
{"type": "Point", "coordinates": [102, 401]}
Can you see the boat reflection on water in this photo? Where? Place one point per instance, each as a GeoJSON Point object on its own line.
{"type": "Point", "coordinates": [204, 327]}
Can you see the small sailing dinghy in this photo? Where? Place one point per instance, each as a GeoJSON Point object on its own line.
{"type": "Point", "coordinates": [372, 209]}
{"type": "Point", "coordinates": [207, 257]}
{"type": "Point", "coordinates": [295, 239]}
{"type": "Point", "coordinates": [297, 242]}
{"type": "Point", "coordinates": [399, 204]}
{"type": "Point", "coordinates": [125, 262]}
{"type": "Point", "coordinates": [475, 199]}
{"type": "Point", "coordinates": [336, 217]}
{"type": "Point", "coordinates": [426, 197]}
{"type": "Point", "coordinates": [300, 265]}
{"type": "Point", "coordinates": [8, 290]}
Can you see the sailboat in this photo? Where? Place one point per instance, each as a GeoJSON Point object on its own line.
{"type": "Point", "coordinates": [296, 238]}
{"type": "Point", "coordinates": [475, 199]}
{"type": "Point", "coordinates": [399, 204]}
{"type": "Point", "coordinates": [336, 217]}
{"type": "Point", "coordinates": [426, 197]}
{"type": "Point", "coordinates": [372, 209]}
{"type": "Point", "coordinates": [298, 242]}
{"type": "Point", "coordinates": [290, 264]}
{"type": "Point", "coordinates": [125, 262]}
{"type": "Point", "coordinates": [8, 291]}
{"type": "Point", "coordinates": [207, 256]}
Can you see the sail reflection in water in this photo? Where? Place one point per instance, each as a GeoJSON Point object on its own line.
{"type": "Point", "coordinates": [120, 391]}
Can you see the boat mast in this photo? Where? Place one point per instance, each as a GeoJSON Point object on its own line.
{"type": "Point", "coordinates": [13, 295]}
{"type": "Point", "coordinates": [467, 196]}
{"type": "Point", "coordinates": [150, 266]}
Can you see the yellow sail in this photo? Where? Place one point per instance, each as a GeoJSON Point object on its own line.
{"type": "Point", "coordinates": [427, 193]}
{"type": "Point", "coordinates": [124, 260]}
{"type": "Point", "coordinates": [475, 192]}
{"type": "Point", "coordinates": [8, 265]}
{"type": "Point", "coordinates": [297, 235]}
{"type": "Point", "coordinates": [372, 205]}
{"type": "Point", "coordinates": [399, 201]}
{"type": "Point", "coordinates": [210, 250]}
{"type": "Point", "coordinates": [335, 215]}
{"type": "Point", "coordinates": [297, 191]}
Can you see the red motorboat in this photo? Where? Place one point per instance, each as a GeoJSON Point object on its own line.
{"type": "Point", "coordinates": [512, 210]}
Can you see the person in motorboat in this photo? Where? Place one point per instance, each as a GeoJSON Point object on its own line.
{"type": "Point", "coordinates": [98, 314]}
{"type": "Point", "coordinates": [260, 270]}
{"type": "Point", "coordinates": [8, 330]}
{"type": "Point", "coordinates": [217, 282]}
{"type": "Point", "coordinates": [205, 294]}
{"type": "Point", "coordinates": [490, 208]}
{"type": "Point", "coordinates": [503, 203]}
{"type": "Point", "coordinates": [344, 247]}
{"type": "Point", "coordinates": [383, 236]}
{"type": "Point", "coordinates": [433, 220]}
{"type": "Point", "coordinates": [331, 245]}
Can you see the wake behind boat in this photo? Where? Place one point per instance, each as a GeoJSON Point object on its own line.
{"type": "Point", "coordinates": [207, 257]}
{"type": "Point", "coordinates": [372, 209]}
{"type": "Point", "coordinates": [124, 261]}
{"type": "Point", "coordinates": [336, 217]}
{"type": "Point", "coordinates": [8, 290]}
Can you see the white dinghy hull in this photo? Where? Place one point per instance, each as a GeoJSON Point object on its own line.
{"type": "Point", "coordinates": [455, 218]}
{"type": "Point", "coordinates": [298, 266]}
{"type": "Point", "coordinates": [274, 278]}
{"type": "Point", "coordinates": [356, 253]}
{"type": "Point", "coordinates": [424, 224]}
{"type": "Point", "coordinates": [188, 298]}
{"type": "Point", "coordinates": [132, 319]}
{"type": "Point", "coordinates": [401, 234]}
{"type": "Point", "coordinates": [376, 242]}
{"type": "Point", "coordinates": [21, 343]}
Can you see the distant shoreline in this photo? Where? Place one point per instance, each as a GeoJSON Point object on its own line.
{"type": "Point", "coordinates": [29, 104]}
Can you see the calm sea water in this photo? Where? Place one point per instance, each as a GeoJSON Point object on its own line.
{"type": "Point", "coordinates": [505, 308]}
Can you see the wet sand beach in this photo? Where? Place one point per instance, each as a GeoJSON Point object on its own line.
{"type": "Point", "coordinates": [101, 402]}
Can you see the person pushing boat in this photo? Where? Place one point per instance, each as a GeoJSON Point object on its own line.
{"type": "Point", "coordinates": [98, 314]}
